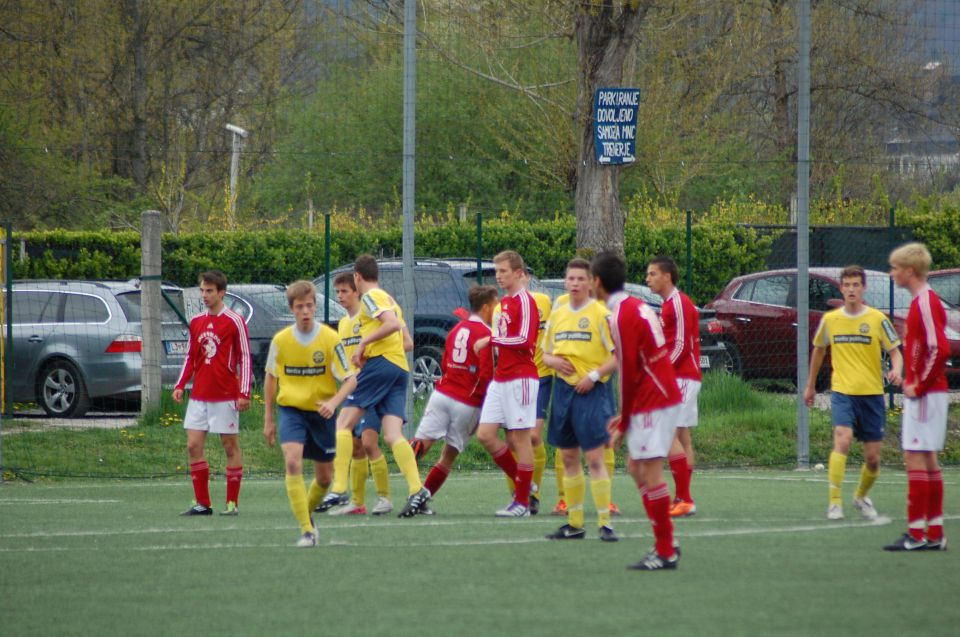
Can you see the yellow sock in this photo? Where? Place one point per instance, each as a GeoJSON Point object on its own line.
{"type": "Point", "coordinates": [381, 477]}
{"type": "Point", "coordinates": [403, 456]}
{"type": "Point", "coordinates": [575, 488]}
{"type": "Point", "coordinates": [558, 467]}
{"type": "Point", "coordinates": [539, 464]}
{"type": "Point", "coordinates": [358, 480]}
{"type": "Point", "coordinates": [315, 494]}
{"type": "Point", "coordinates": [297, 494]}
{"type": "Point", "coordinates": [600, 489]}
{"type": "Point", "coordinates": [835, 471]}
{"type": "Point", "coordinates": [511, 485]}
{"type": "Point", "coordinates": [867, 478]}
{"type": "Point", "coordinates": [341, 462]}
{"type": "Point", "coordinates": [610, 460]}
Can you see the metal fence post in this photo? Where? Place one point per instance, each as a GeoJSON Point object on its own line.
{"type": "Point", "coordinates": [689, 289]}
{"type": "Point", "coordinates": [150, 268]}
{"type": "Point", "coordinates": [803, 232]}
{"type": "Point", "coordinates": [8, 352]}
{"type": "Point", "coordinates": [891, 235]}
{"type": "Point", "coordinates": [326, 267]}
{"type": "Point", "coordinates": [479, 248]}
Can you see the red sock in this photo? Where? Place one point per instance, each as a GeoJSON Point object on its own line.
{"type": "Point", "coordinates": [523, 480]}
{"type": "Point", "coordinates": [918, 490]}
{"type": "Point", "coordinates": [505, 461]}
{"type": "Point", "coordinates": [681, 476]}
{"type": "Point", "coordinates": [200, 473]}
{"type": "Point", "coordinates": [935, 506]}
{"type": "Point", "coordinates": [658, 510]}
{"type": "Point", "coordinates": [435, 479]}
{"type": "Point", "coordinates": [234, 475]}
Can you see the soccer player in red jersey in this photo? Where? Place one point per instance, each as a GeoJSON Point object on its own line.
{"type": "Point", "coordinates": [681, 328]}
{"type": "Point", "coordinates": [511, 400]}
{"type": "Point", "coordinates": [925, 401]}
{"type": "Point", "coordinates": [219, 363]}
{"type": "Point", "coordinates": [649, 401]}
{"type": "Point", "coordinates": [454, 405]}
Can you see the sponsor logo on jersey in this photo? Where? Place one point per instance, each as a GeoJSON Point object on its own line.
{"type": "Point", "coordinates": [290, 370]}
{"type": "Point", "coordinates": [852, 338]}
{"type": "Point", "coordinates": [572, 336]}
{"type": "Point", "coordinates": [351, 341]}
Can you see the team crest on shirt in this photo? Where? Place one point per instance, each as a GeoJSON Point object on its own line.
{"type": "Point", "coordinates": [318, 358]}
{"type": "Point", "coordinates": [583, 323]}
{"type": "Point", "coordinates": [209, 341]}
{"type": "Point", "coordinates": [356, 328]}
{"type": "Point", "coordinates": [864, 328]}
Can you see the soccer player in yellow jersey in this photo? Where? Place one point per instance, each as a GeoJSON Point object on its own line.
{"type": "Point", "coordinates": [857, 335]}
{"type": "Point", "coordinates": [306, 361]}
{"type": "Point", "coordinates": [381, 386]}
{"type": "Point", "coordinates": [579, 348]}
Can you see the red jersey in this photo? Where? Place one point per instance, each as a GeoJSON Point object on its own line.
{"type": "Point", "coordinates": [647, 380]}
{"type": "Point", "coordinates": [926, 348]}
{"type": "Point", "coordinates": [681, 328]}
{"type": "Point", "coordinates": [515, 336]}
{"type": "Point", "coordinates": [218, 346]}
{"type": "Point", "coordinates": [465, 373]}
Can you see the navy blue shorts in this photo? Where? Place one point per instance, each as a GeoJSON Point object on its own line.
{"type": "Point", "coordinates": [316, 433]}
{"type": "Point", "coordinates": [579, 420]}
{"type": "Point", "coordinates": [866, 414]}
{"type": "Point", "coordinates": [370, 420]}
{"type": "Point", "coordinates": [381, 388]}
{"type": "Point", "coordinates": [543, 396]}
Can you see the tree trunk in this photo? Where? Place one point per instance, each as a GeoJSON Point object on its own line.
{"type": "Point", "coordinates": [138, 90]}
{"type": "Point", "coordinates": [605, 32]}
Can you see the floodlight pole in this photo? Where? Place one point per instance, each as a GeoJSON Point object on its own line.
{"type": "Point", "coordinates": [803, 233]}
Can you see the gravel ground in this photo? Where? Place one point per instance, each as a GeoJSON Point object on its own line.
{"type": "Point", "coordinates": [31, 419]}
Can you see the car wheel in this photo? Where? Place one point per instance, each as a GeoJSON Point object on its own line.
{"type": "Point", "coordinates": [426, 368]}
{"type": "Point", "coordinates": [61, 390]}
{"type": "Point", "coordinates": [729, 361]}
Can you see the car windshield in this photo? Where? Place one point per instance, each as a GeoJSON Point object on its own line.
{"type": "Point", "coordinates": [130, 304]}
{"type": "Point", "coordinates": [878, 294]}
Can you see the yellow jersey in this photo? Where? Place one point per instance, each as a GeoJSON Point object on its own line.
{"type": "Point", "coordinates": [580, 335]}
{"type": "Point", "coordinates": [855, 343]}
{"type": "Point", "coordinates": [543, 307]}
{"type": "Point", "coordinates": [308, 367]}
{"type": "Point", "coordinates": [349, 330]}
{"type": "Point", "coordinates": [372, 305]}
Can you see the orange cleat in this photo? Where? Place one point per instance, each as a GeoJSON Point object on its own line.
{"type": "Point", "coordinates": [681, 509]}
{"type": "Point", "coordinates": [614, 509]}
{"type": "Point", "coordinates": [560, 509]}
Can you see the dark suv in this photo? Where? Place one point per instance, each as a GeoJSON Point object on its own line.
{"type": "Point", "coordinates": [441, 287]}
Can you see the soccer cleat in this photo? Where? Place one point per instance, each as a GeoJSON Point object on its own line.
{"type": "Point", "coordinates": [614, 509]}
{"type": "Point", "coordinates": [414, 502]}
{"type": "Point", "coordinates": [607, 534]}
{"type": "Point", "coordinates": [513, 510]}
{"type": "Point", "coordinates": [655, 562]}
{"type": "Point", "coordinates": [425, 510]}
{"type": "Point", "coordinates": [865, 507]}
{"type": "Point", "coordinates": [906, 543]}
{"type": "Point", "coordinates": [560, 509]}
{"type": "Point", "coordinates": [232, 509]}
{"type": "Point", "coordinates": [682, 509]}
{"type": "Point", "coordinates": [534, 504]}
{"type": "Point", "coordinates": [331, 500]}
{"type": "Point", "coordinates": [567, 532]}
{"type": "Point", "coordinates": [308, 539]}
{"type": "Point", "coordinates": [198, 509]}
{"type": "Point", "coordinates": [936, 545]}
{"type": "Point", "coordinates": [383, 506]}
{"type": "Point", "coordinates": [418, 448]}
{"type": "Point", "coordinates": [350, 508]}
{"type": "Point", "coordinates": [835, 512]}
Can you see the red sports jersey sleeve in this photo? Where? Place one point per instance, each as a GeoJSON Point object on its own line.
{"type": "Point", "coordinates": [516, 337]}
{"type": "Point", "coordinates": [219, 358]}
{"type": "Point", "coordinates": [681, 329]}
{"type": "Point", "coordinates": [465, 373]}
{"type": "Point", "coordinates": [647, 380]}
{"type": "Point", "coordinates": [926, 347]}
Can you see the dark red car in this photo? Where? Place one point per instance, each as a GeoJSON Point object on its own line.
{"type": "Point", "coordinates": [757, 319]}
{"type": "Point", "coordinates": [946, 283]}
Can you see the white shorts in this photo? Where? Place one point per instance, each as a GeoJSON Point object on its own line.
{"type": "Point", "coordinates": [216, 417]}
{"type": "Point", "coordinates": [924, 422]}
{"type": "Point", "coordinates": [689, 415]}
{"type": "Point", "coordinates": [450, 419]}
{"type": "Point", "coordinates": [511, 403]}
{"type": "Point", "coordinates": [651, 433]}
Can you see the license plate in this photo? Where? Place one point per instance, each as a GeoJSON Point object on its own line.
{"type": "Point", "coordinates": [178, 347]}
{"type": "Point", "coordinates": [704, 362]}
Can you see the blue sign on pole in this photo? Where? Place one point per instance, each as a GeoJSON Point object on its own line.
{"type": "Point", "coordinates": [615, 125]}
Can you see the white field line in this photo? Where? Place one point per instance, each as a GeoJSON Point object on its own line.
{"type": "Point", "coordinates": [55, 501]}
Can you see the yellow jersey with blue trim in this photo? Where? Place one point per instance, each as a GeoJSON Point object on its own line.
{"type": "Point", "coordinates": [581, 335]}
{"type": "Point", "coordinates": [856, 342]}
{"type": "Point", "coordinates": [372, 305]}
{"type": "Point", "coordinates": [308, 367]}
{"type": "Point", "coordinates": [349, 330]}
